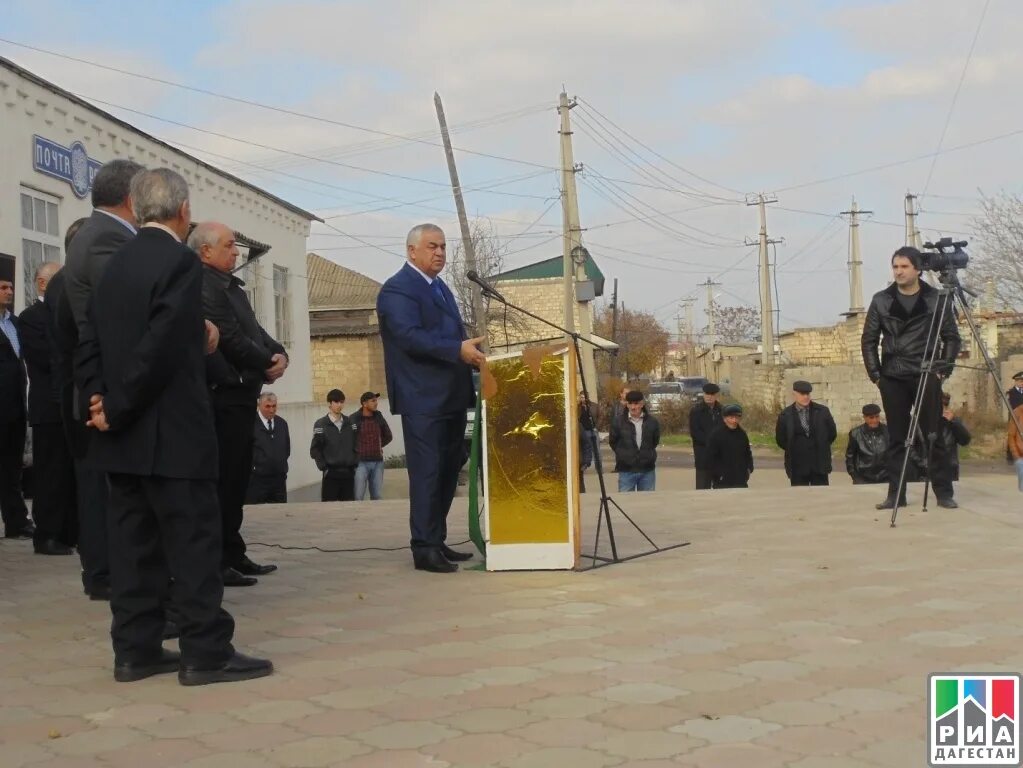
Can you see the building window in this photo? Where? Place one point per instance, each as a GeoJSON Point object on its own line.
{"type": "Point", "coordinates": [40, 237]}
{"type": "Point", "coordinates": [282, 305]}
{"type": "Point", "coordinates": [249, 274]}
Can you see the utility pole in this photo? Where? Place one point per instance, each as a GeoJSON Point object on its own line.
{"type": "Point", "coordinates": [766, 301]}
{"type": "Point", "coordinates": [912, 232]}
{"type": "Point", "coordinates": [479, 317]}
{"type": "Point", "coordinates": [855, 264]}
{"type": "Point", "coordinates": [614, 329]}
{"type": "Point", "coordinates": [575, 255]}
{"type": "Point", "coordinates": [711, 331]}
{"type": "Point", "coordinates": [687, 307]}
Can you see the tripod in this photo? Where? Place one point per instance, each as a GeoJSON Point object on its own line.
{"type": "Point", "coordinates": [606, 502]}
{"type": "Point", "coordinates": [951, 295]}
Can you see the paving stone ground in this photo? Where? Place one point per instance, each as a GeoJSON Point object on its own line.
{"type": "Point", "coordinates": [796, 630]}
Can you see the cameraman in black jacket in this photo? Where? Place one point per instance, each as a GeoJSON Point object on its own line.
{"type": "Point", "coordinates": [899, 319]}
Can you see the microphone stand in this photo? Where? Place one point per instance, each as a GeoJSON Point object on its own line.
{"type": "Point", "coordinates": [606, 502]}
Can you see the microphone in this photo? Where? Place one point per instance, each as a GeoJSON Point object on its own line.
{"type": "Point", "coordinates": [487, 287]}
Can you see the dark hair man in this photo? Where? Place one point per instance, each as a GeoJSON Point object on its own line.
{"type": "Point", "coordinates": [729, 457]}
{"type": "Point", "coordinates": [53, 506]}
{"type": "Point", "coordinates": [111, 225]}
{"type": "Point", "coordinates": [805, 431]}
{"type": "Point", "coordinates": [141, 357]}
{"type": "Point", "coordinates": [953, 433]}
{"type": "Point", "coordinates": [866, 452]}
{"type": "Point", "coordinates": [899, 319]}
{"type": "Point", "coordinates": [634, 438]}
{"type": "Point", "coordinates": [12, 413]}
{"type": "Point", "coordinates": [428, 361]}
{"type": "Point", "coordinates": [246, 358]}
{"type": "Point", "coordinates": [271, 449]}
{"type": "Point", "coordinates": [372, 433]}
{"type": "Point", "coordinates": [333, 450]}
{"type": "Point", "coordinates": [704, 418]}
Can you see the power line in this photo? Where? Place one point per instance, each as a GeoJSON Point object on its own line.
{"type": "Point", "coordinates": [260, 105]}
{"type": "Point", "coordinates": [955, 96]}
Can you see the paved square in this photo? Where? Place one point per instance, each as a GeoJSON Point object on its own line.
{"type": "Point", "coordinates": [796, 630]}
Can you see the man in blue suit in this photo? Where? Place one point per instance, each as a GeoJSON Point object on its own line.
{"type": "Point", "coordinates": [428, 362]}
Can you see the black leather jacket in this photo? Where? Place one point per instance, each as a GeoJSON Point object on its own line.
{"type": "Point", "coordinates": [865, 454]}
{"type": "Point", "coordinates": [903, 337]}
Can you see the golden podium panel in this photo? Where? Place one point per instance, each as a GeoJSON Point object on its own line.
{"type": "Point", "coordinates": [530, 461]}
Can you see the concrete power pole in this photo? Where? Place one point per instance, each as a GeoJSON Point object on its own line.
{"type": "Point", "coordinates": [574, 254]}
{"type": "Point", "coordinates": [766, 300]}
{"type": "Point", "coordinates": [468, 248]}
{"type": "Point", "coordinates": [912, 232]}
{"type": "Point", "coordinates": [711, 331]}
{"type": "Point", "coordinates": [687, 338]}
{"type": "Point", "coordinates": [614, 329]}
{"type": "Point", "coordinates": [855, 264]}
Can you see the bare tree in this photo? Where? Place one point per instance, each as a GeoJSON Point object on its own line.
{"type": "Point", "coordinates": [998, 252]}
{"type": "Point", "coordinates": [642, 341]}
{"type": "Point", "coordinates": [734, 324]}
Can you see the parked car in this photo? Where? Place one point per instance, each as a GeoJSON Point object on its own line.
{"type": "Point", "coordinates": [660, 391]}
{"type": "Point", "coordinates": [692, 388]}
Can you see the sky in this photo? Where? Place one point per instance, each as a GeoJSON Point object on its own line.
{"type": "Point", "coordinates": [685, 111]}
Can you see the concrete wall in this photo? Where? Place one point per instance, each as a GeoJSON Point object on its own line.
{"type": "Point", "coordinates": [301, 416]}
{"type": "Point", "coordinates": [545, 298]}
{"type": "Point", "coordinates": [353, 364]}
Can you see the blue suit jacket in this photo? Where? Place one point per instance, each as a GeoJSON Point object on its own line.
{"type": "Point", "coordinates": [422, 336]}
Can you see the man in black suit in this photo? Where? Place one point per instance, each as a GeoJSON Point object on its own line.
{"type": "Point", "coordinates": [141, 358]}
{"type": "Point", "coordinates": [245, 359]}
{"type": "Point", "coordinates": [270, 453]}
{"type": "Point", "coordinates": [12, 413]}
{"type": "Point", "coordinates": [1015, 393]}
{"type": "Point", "coordinates": [428, 362]}
{"type": "Point", "coordinates": [53, 507]}
{"type": "Point", "coordinates": [111, 226]}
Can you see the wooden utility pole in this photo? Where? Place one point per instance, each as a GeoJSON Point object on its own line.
{"type": "Point", "coordinates": [479, 317]}
{"type": "Point", "coordinates": [855, 264]}
{"type": "Point", "coordinates": [614, 328]}
{"type": "Point", "coordinates": [766, 299]}
{"type": "Point", "coordinates": [574, 254]}
{"type": "Point", "coordinates": [687, 305]}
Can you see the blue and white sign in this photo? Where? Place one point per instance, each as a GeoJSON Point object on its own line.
{"type": "Point", "coordinates": [70, 164]}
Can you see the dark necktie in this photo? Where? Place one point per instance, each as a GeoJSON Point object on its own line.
{"type": "Point", "coordinates": [270, 427]}
{"type": "Point", "coordinates": [804, 419]}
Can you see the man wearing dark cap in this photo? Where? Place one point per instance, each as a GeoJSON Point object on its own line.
{"type": "Point", "coordinates": [13, 413]}
{"type": "Point", "coordinates": [868, 446]}
{"type": "Point", "coordinates": [371, 435]}
{"type": "Point", "coordinates": [1015, 393]}
{"type": "Point", "coordinates": [634, 438]}
{"type": "Point", "coordinates": [805, 431]}
{"type": "Point", "coordinates": [704, 418]}
{"type": "Point", "coordinates": [729, 456]}
{"type": "Point", "coordinates": [333, 450]}
{"type": "Point", "coordinates": [899, 320]}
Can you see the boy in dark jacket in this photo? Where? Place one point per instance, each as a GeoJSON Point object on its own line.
{"type": "Point", "coordinates": [729, 456]}
{"type": "Point", "coordinates": [634, 437]}
{"type": "Point", "coordinates": [333, 450]}
{"type": "Point", "coordinates": [371, 435]}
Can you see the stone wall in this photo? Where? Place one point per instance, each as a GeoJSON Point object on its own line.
{"type": "Point", "coordinates": [545, 298]}
{"type": "Point", "coordinates": [353, 364]}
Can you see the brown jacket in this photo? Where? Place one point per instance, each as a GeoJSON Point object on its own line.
{"type": "Point", "coordinates": [1015, 439]}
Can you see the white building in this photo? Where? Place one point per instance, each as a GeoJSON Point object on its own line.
{"type": "Point", "coordinates": [51, 145]}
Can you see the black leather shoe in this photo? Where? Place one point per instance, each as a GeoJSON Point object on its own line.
{"type": "Point", "coordinates": [889, 503]}
{"type": "Point", "coordinates": [238, 667]}
{"type": "Point", "coordinates": [432, 560]}
{"type": "Point", "coordinates": [25, 532]}
{"type": "Point", "coordinates": [52, 547]}
{"type": "Point", "coordinates": [948, 503]}
{"type": "Point", "coordinates": [130, 671]}
{"type": "Point", "coordinates": [453, 556]}
{"type": "Point", "coordinates": [248, 568]}
{"type": "Point", "coordinates": [100, 590]}
{"type": "Point", "coordinates": [234, 579]}
{"type": "Point", "coordinates": [170, 630]}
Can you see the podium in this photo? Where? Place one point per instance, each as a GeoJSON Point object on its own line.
{"type": "Point", "coordinates": [531, 460]}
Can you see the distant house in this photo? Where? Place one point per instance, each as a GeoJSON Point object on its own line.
{"type": "Point", "coordinates": [344, 332]}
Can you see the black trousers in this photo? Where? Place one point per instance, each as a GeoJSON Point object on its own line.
{"type": "Point", "coordinates": [53, 506]}
{"type": "Point", "coordinates": [93, 497]}
{"type": "Point", "coordinates": [814, 478]}
{"type": "Point", "coordinates": [434, 456]}
{"type": "Point", "coordinates": [12, 455]}
{"type": "Point", "coordinates": [163, 529]}
{"type": "Point", "coordinates": [338, 485]}
{"type": "Point", "coordinates": [704, 479]}
{"type": "Point", "coordinates": [234, 443]}
{"type": "Point", "coordinates": [268, 489]}
{"type": "Point", "coordinates": [897, 397]}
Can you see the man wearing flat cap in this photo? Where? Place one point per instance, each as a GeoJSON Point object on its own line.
{"type": "Point", "coordinates": [634, 438]}
{"type": "Point", "coordinates": [704, 418]}
{"type": "Point", "coordinates": [729, 457]}
{"type": "Point", "coordinates": [1015, 393]}
{"type": "Point", "coordinates": [867, 448]}
{"type": "Point", "coordinates": [805, 431]}
{"type": "Point", "coordinates": [371, 435]}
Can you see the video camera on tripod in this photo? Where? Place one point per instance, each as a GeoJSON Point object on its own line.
{"type": "Point", "coordinates": [945, 255]}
